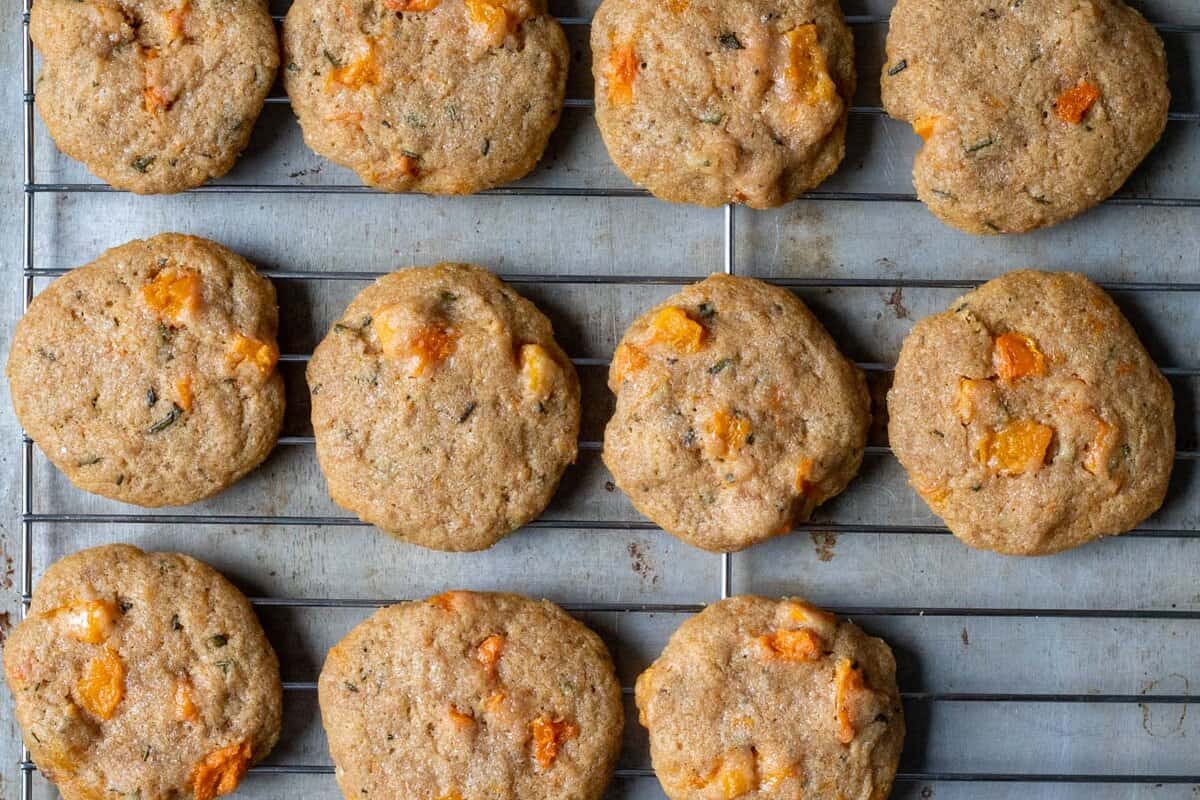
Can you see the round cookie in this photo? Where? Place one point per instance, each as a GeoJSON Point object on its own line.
{"type": "Point", "coordinates": [717, 101]}
{"type": "Point", "coordinates": [736, 415]}
{"type": "Point", "coordinates": [153, 96]}
{"type": "Point", "coordinates": [142, 675]}
{"type": "Point", "coordinates": [472, 696]}
{"type": "Point", "coordinates": [1031, 112]}
{"type": "Point", "coordinates": [1030, 418]}
{"type": "Point", "coordinates": [444, 411]}
{"type": "Point", "coordinates": [148, 376]}
{"type": "Point", "coordinates": [765, 700]}
{"type": "Point", "coordinates": [437, 96]}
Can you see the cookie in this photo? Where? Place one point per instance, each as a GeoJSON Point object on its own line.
{"type": "Point", "coordinates": [437, 96]}
{"type": "Point", "coordinates": [472, 696]}
{"type": "Point", "coordinates": [765, 700]}
{"type": "Point", "coordinates": [1031, 112]}
{"type": "Point", "coordinates": [153, 96]}
{"type": "Point", "coordinates": [148, 376]}
{"type": "Point", "coordinates": [736, 415]}
{"type": "Point", "coordinates": [142, 675]}
{"type": "Point", "coordinates": [1030, 418]}
{"type": "Point", "coordinates": [444, 411]}
{"type": "Point", "coordinates": [717, 101]}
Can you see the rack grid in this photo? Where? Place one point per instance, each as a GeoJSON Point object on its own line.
{"type": "Point", "coordinates": [32, 516]}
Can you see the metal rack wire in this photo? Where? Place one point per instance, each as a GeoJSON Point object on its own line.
{"type": "Point", "coordinates": [32, 516]}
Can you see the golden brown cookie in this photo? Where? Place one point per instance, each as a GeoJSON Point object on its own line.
{"type": "Point", "coordinates": [772, 700]}
{"type": "Point", "coordinates": [444, 411]}
{"type": "Point", "coordinates": [142, 675]}
{"type": "Point", "coordinates": [472, 696]}
{"type": "Point", "coordinates": [439, 96]}
{"type": "Point", "coordinates": [736, 415]}
{"type": "Point", "coordinates": [1031, 112]}
{"type": "Point", "coordinates": [1030, 418]}
{"type": "Point", "coordinates": [153, 96]}
{"type": "Point", "coordinates": [148, 376]}
{"type": "Point", "coordinates": [713, 101]}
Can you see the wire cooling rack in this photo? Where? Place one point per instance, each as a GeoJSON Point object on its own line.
{"type": "Point", "coordinates": [34, 515]}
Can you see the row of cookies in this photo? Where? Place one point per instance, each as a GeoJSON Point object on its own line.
{"type": "Point", "coordinates": [148, 675]}
{"type": "Point", "coordinates": [1028, 415]}
{"type": "Point", "coordinates": [1030, 112]}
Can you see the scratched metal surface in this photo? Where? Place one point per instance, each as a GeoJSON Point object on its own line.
{"type": "Point", "coordinates": [1016, 687]}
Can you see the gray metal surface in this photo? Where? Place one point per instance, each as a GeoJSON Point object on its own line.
{"type": "Point", "coordinates": [1065, 677]}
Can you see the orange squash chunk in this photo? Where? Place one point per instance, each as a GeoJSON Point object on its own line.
{"type": "Point", "coordinates": [539, 370]}
{"type": "Point", "coordinates": [220, 771]}
{"type": "Point", "coordinates": [174, 294]}
{"type": "Point", "coordinates": [447, 601]}
{"type": "Point", "coordinates": [847, 680]}
{"type": "Point", "coordinates": [1100, 449]}
{"type": "Point", "coordinates": [799, 645]}
{"type": "Point", "coordinates": [622, 70]}
{"type": "Point", "coordinates": [176, 19]}
{"type": "Point", "coordinates": [185, 707]}
{"type": "Point", "coordinates": [804, 473]}
{"type": "Point", "coordinates": [967, 396]}
{"type": "Point", "coordinates": [263, 355]}
{"type": "Point", "coordinates": [453, 794]}
{"type": "Point", "coordinates": [807, 73]}
{"type": "Point", "coordinates": [1017, 356]}
{"type": "Point", "coordinates": [183, 390]}
{"type": "Point", "coordinates": [548, 736]}
{"type": "Point", "coordinates": [775, 778]}
{"type": "Point", "coordinates": [672, 327]}
{"type": "Point", "coordinates": [1017, 448]}
{"type": "Point", "coordinates": [1073, 104]}
{"type": "Point", "coordinates": [411, 5]}
{"type": "Point", "coordinates": [155, 100]}
{"type": "Point", "coordinates": [102, 686]}
{"type": "Point", "coordinates": [461, 719]}
{"type": "Point", "coordinates": [495, 702]}
{"type": "Point", "coordinates": [362, 71]}
{"type": "Point", "coordinates": [924, 126]}
{"type": "Point", "coordinates": [498, 18]}
{"type": "Point", "coordinates": [89, 621]}
{"type": "Point", "coordinates": [407, 166]}
{"type": "Point", "coordinates": [806, 614]}
{"type": "Point", "coordinates": [737, 774]}
{"type": "Point", "coordinates": [727, 434]}
{"type": "Point", "coordinates": [934, 495]}
{"type": "Point", "coordinates": [627, 360]}
{"type": "Point", "coordinates": [489, 651]}
{"type": "Point", "coordinates": [432, 345]}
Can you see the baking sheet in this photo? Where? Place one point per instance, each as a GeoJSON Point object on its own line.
{"type": "Point", "coordinates": [1075, 665]}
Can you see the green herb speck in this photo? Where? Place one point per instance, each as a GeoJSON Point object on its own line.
{"type": "Point", "coordinates": [730, 41]}
{"type": "Point", "coordinates": [899, 67]}
{"type": "Point", "coordinates": [219, 640]}
{"type": "Point", "coordinates": [720, 366]}
{"type": "Point", "coordinates": [331, 58]}
{"type": "Point", "coordinates": [170, 419]}
{"type": "Point", "coordinates": [142, 163]}
{"type": "Point", "coordinates": [981, 144]}
{"type": "Point", "coordinates": [712, 118]}
{"type": "Point", "coordinates": [706, 310]}
{"type": "Point", "coordinates": [350, 686]}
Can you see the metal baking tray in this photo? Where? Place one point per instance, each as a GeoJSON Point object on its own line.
{"type": "Point", "coordinates": [1063, 677]}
